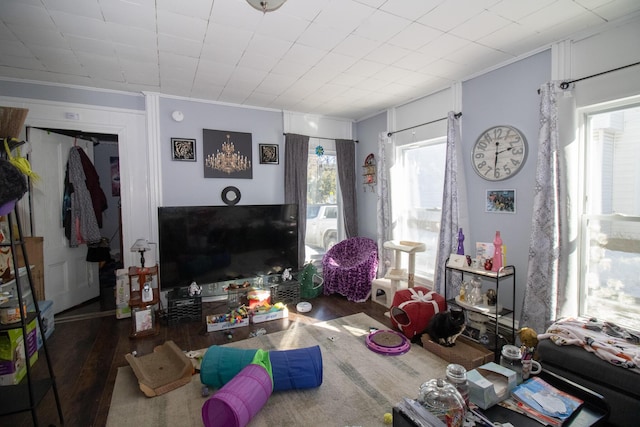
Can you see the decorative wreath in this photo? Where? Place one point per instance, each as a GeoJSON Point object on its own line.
{"type": "Point", "coordinates": [225, 197]}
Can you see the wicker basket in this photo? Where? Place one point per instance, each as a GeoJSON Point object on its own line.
{"type": "Point", "coordinates": [286, 292]}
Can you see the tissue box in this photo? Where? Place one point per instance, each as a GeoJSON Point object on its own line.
{"type": "Point", "coordinates": [490, 384]}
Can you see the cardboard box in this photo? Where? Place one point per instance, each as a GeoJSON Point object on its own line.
{"type": "Point", "coordinates": [214, 323]}
{"type": "Point", "coordinates": [13, 365]}
{"type": "Point", "coordinates": [490, 384]}
{"type": "Point", "coordinates": [271, 315]}
{"type": "Point", "coordinates": [466, 352]}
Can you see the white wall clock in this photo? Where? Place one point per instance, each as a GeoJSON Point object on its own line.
{"type": "Point", "coordinates": [499, 153]}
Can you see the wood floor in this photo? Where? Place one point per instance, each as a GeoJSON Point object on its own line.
{"type": "Point", "coordinates": [87, 353]}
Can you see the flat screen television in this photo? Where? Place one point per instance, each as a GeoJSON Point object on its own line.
{"type": "Point", "coordinates": [211, 244]}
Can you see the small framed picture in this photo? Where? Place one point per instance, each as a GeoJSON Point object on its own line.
{"type": "Point", "coordinates": [268, 154]}
{"type": "Point", "coordinates": [183, 149]}
{"type": "Point", "coordinates": [501, 201]}
{"type": "Point", "coordinates": [143, 319]}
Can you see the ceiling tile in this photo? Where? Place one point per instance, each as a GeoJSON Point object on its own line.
{"type": "Point", "coordinates": [138, 72]}
{"type": "Point", "coordinates": [449, 14]}
{"type": "Point", "coordinates": [322, 36]}
{"type": "Point", "coordinates": [258, 61]}
{"type": "Point", "coordinates": [38, 36]}
{"type": "Point", "coordinates": [387, 54]}
{"type": "Point", "coordinates": [356, 46]}
{"type": "Point", "coordinates": [281, 26]}
{"type": "Point", "coordinates": [25, 15]}
{"type": "Point", "coordinates": [101, 67]}
{"type": "Point", "coordinates": [481, 25]}
{"type": "Point", "coordinates": [415, 36]}
{"type": "Point", "coordinates": [185, 27]}
{"type": "Point", "coordinates": [129, 13]}
{"type": "Point", "coordinates": [410, 9]}
{"type": "Point", "coordinates": [381, 26]}
{"type": "Point", "coordinates": [443, 46]}
{"type": "Point", "coordinates": [275, 83]}
{"type": "Point", "coordinates": [304, 54]}
{"type": "Point", "coordinates": [516, 10]}
{"type": "Point", "coordinates": [85, 8]}
{"type": "Point", "coordinates": [269, 46]}
{"type": "Point", "coordinates": [179, 46]}
{"type": "Point", "coordinates": [71, 24]}
{"type": "Point", "coordinates": [344, 15]}
{"type": "Point", "coordinates": [194, 8]}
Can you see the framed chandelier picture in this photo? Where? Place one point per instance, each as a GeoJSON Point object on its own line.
{"type": "Point", "coordinates": [227, 154]}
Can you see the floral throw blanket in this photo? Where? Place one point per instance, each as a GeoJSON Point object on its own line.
{"type": "Point", "coordinates": [606, 340]}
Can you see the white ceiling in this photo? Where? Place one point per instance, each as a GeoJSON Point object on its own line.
{"type": "Point", "coordinates": [341, 58]}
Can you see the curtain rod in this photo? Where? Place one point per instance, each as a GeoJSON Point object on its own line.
{"type": "Point", "coordinates": [457, 116]}
{"type": "Point", "coordinates": [322, 137]}
{"type": "Point", "coordinates": [565, 85]}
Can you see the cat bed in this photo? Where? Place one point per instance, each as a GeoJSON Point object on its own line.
{"type": "Point", "coordinates": [413, 308]}
{"type": "Point", "coordinates": [166, 369]}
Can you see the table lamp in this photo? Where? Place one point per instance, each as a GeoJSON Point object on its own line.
{"type": "Point", "coordinates": [141, 246]}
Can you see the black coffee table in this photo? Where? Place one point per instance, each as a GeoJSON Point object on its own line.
{"type": "Point", "coordinates": [593, 412]}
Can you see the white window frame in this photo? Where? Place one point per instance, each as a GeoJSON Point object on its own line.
{"type": "Point", "coordinates": [420, 278]}
{"type": "Point", "coordinates": [583, 214]}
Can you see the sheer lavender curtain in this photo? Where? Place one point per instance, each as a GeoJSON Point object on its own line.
{"type": "Point", "coordinates": [383, 204]}
{"type": "Point", "coordinates": [296, 155]}
{"type": "Point", "coordinates": [546, 279]}
{"type": "Point", "coordinates": [346, 161]}
{"type": "Point", "coordinates": [453, 208]}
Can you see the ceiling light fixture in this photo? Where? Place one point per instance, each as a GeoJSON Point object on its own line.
{"type": "Point", "coordinates": [265, 6]}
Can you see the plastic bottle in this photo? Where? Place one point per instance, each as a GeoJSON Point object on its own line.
{"type": "Point", "coordinates": [460, 242]}
{"type": "Point", "coordinates": [457, 376]}
{"type": "Point", "coordinates": [497, 253]}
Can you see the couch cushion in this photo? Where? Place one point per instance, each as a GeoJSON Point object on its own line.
{"type": "Point", "coordinates": [575, 359]}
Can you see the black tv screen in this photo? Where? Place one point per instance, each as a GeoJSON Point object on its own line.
{"type": "Point", "coordinates": [210, 244]}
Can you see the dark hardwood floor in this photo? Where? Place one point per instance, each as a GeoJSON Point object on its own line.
{"type": "Point", "coordinates": [87, 349]}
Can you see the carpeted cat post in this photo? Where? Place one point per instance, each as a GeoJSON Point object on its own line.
{"type": "Point", "coordinates": [292, 369]}
{"type": "Point", "coordinates": [235, 404]}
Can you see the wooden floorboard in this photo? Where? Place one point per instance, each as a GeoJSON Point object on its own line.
{"type": "Point", "coordinates": [86, 354]}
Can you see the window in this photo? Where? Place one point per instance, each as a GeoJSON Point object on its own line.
{"type": "Point", "coordinates": [323, 199]}
{"type": "Point", "coordinates": [417, 182]}
{"type": "Point", "coordinates": [610, 217]}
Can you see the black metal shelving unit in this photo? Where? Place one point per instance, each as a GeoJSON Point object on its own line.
{"type": "Point", "coordinates": [496, 315]}
{"type": "Point", "coordinates": [26, 395]}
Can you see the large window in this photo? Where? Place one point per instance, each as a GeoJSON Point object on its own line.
{"type": "Point", "coordinates": [610, 217]}
{"type": "Point", "coordinates": [417, 181]}
{"type": "Point", "coordinates": [323, 199]}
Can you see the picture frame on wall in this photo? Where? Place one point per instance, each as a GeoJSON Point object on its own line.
{"type": "Point", "coordinates": [227, 154]}
{"type": "Point", "coordinates": [269, 154]}
{"type": "Point", "coordinates": [183, 149]}
{"type": "Point", "coordinates": [501, 201]}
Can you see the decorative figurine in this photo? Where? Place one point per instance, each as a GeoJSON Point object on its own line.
{"type": "Point", "coordinates": [286, 275]}
{"type": "Point", "coordinates": [194, 289]}
{"type": "Point", "coordinates": [488, 264]}
{"type": "Point", "coordinates": [492, 298]}
{"type": "Point", "coordinates": [460, 242]}
{"type": "Point", "coordinates": [497, 253]}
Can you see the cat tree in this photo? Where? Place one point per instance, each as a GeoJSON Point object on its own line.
{"type": "Point", "coordinates": [397, 276]}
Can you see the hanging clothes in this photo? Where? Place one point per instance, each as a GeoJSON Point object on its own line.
{"type": "Point", "coordinates": [98, 198]}
{"type": "Point", "coordinates": [79, 217]}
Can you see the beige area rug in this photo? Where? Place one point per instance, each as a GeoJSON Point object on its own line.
{"type": "Point", "coordinates": [358, 387]}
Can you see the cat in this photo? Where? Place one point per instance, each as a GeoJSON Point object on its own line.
{"type": "Point", "coordinates": [445, 327]}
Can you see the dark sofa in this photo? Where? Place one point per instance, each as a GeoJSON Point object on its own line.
{"type": "Point", "coordinates": [619, 386]}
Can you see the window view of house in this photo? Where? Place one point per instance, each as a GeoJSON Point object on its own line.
{"type": "Point", "coordinates": [322, 198]}
{"type": "Point", "coordinates": [610, 237]}
{"type": "Point", "coordinates": [417, 180]}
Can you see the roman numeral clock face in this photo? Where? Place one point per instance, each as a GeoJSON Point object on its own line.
{"type": "Point", "coordinates": [499, 153]}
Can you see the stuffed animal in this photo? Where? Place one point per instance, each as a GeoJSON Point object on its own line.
{"type": "Point", "coordinates": [528, 337]}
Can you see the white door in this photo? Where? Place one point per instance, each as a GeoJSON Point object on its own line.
{"type": "Point", "coordinates": [69, 279]}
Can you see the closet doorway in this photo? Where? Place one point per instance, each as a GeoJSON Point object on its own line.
{"type": "Point", "coordinates": [79, 278]}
